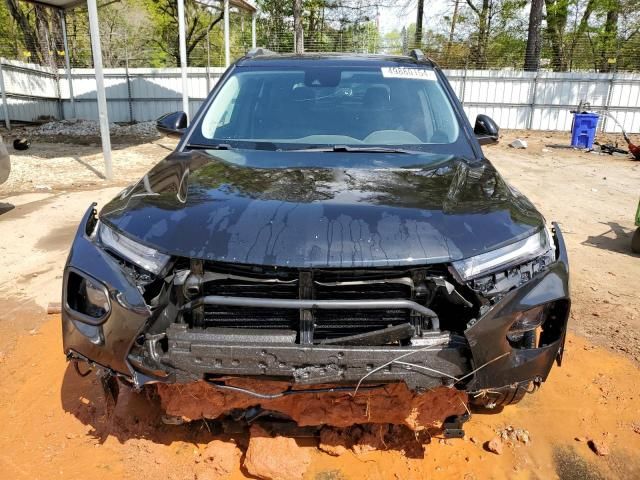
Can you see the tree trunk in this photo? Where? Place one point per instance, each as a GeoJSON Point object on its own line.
{"type": "Point", "coordinates": [454, 20]}
{"type": "Point", "coordinates": [28, 33]}
{"type": "Point", "coordinates": [532, 52]}
{"type": "Point", "coordinates": [419, 16]}
{"type": "Point", "coordinates": [557, 14]}
{"type": "Point", "coordinates": [483, 35]}
{"type": "Point", "coordinates": [609, 47]}
{"type": "Point", "coordinates": [297, 26]}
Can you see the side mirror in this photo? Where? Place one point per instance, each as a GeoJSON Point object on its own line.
{"type": "Point", "coordinates": [486, 130]}
{"type": "Point", "coordinates": [172, 124]}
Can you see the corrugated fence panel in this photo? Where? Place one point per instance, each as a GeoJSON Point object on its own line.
{"type": "Point", "coordinates": [515, 99]}
{"type": "Point", "coordinates": [32, 91]}
{"type": "Point", "coordinates": [153, 92]}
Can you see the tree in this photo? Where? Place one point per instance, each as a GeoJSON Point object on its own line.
{"type": "Point", "coordinates": [39, 28]}
{"type": "Point", "coordinates": [454, 20]}
{"type": "Point", "coordinates": [479, 50]}
{"type": "Point", "coordinates": [199, 21]}
{"type": "Point", "coordinates": [419, 17]}
{"type": "Point", "coordinates": [534, 41]}
{"type": "Point", "coordinates": [609, 42]}
{"type": "Point", "coordinates": [557, 15]}
{"type": "Point", "coordinates": [297, 26]}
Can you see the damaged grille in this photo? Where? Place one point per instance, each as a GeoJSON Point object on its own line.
{"type": "Point", "coordinates": [312, 322]}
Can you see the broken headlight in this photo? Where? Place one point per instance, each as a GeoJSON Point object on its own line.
{"type": "Point", "coordinates": [526, 322]}
{"type": "Point", "coordinates": [502, 258]}
{"type": "Point", "coordinates": [87, 296]}
{"type": "Point", "coordinates": [147, 258]}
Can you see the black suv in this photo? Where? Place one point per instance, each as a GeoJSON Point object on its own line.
{"type": "Point", "coordinates": [325, 219]}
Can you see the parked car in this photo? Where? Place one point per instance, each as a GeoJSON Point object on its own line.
{"type": "Point", "coordinates": [5, 162]}
{"type": "Point", "coordinates": [324, 219]}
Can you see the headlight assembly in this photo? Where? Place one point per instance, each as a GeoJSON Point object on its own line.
{"type": "Point", "coordinates": [502, 258]}
{"type": "Point", "coordinates": [147, 258]}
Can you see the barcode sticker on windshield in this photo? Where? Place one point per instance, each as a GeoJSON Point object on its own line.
{"type": "Point", "coordinates": [404, 72]}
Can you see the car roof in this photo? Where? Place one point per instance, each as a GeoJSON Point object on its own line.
{"type": "Point", "coordinates": [262, 58]}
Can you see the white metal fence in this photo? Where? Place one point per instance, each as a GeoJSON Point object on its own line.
{"type": "Point", "coordinates": [515, 99]}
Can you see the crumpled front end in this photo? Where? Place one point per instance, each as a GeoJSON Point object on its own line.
{"type": "Point", "coordinates": [493, 336]}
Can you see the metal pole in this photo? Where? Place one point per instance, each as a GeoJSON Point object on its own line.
{"type": "Point", "coordinates": [534, 97]}
{"type": "Point", "coordinates": [183, 57]}
{"type": "Point", "coordinates": [67, 63]}
{"type": "Point", "coordinates": [603, 124]}
{"type": "Point", "coordinates": [126, 72]}
{"type": "Point", "coordinates": [208, 63]}
{"type": "Point", "coordinates": [253, 30]}
{"type": "Point", "coordinates": [94, 30]}
{"type": "Point", "coordinates": [5, 105]}
{"type": "Point", "coordinates": [227, 51]}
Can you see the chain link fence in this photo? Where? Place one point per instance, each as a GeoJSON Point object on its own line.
{"type": "Point", "coordinates": [130, 43]}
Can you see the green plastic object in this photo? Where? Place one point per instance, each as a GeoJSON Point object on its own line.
{"type": "Point", "coordinates": [638, 215]}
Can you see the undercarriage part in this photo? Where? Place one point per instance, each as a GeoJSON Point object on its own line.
{"type": "Point", "coordinates": [110, 389]}
{"type": "Point", "coordinates": [452, 426]}
{"type": "Point", "coordinates": [289, 391]}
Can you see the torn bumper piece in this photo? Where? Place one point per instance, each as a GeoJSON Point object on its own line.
{"type": "Point", "coordinates": [147, 344]}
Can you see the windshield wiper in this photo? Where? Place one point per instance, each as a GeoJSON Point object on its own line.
{"type": "Point", "coordinates": [352, 149]}
{"type": "Point", "coordinates": [214, 146]}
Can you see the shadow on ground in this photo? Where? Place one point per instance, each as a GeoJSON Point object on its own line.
{"type": "Point", "coordinates": [140, 416]}
{"type": "Point", "coordinates": [616, 239]}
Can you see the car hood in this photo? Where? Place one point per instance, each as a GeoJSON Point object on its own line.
{"type": "Point", "coordinates": [216, 206]}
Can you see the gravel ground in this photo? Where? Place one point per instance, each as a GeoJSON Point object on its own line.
{"type": "Point", "coordinates": [76, 127]}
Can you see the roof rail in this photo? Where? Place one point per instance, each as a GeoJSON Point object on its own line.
{"type": "Point", "coordinates": [417, 55]}
{"type": "Point", "coordinates": [259, 51]}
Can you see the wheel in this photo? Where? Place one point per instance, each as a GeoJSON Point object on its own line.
{"type": "Point", "coordinates": [635, 241]}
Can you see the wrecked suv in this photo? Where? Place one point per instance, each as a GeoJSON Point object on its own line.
{"type": "Point", "coordinates": [324, 220]}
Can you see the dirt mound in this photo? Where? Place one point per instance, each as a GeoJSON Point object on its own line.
{"type": "Point", "coordinates": [77, 127]}
{"type": "Point", "coordinates": [391, 404]}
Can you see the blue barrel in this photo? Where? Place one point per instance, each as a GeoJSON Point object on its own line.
{"type": "Point", "coordinates": [583, 131]}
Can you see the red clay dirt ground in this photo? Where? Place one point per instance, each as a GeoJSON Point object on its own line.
{"type": "Point", "coordinates": [54, 422]}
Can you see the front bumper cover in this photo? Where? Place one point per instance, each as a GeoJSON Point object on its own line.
{"type": "Point", "coordinates": [484, 359]}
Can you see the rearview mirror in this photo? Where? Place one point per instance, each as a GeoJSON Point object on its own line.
{"type": "Point", "coordinates": [172, 124]}
{"type": "Point", "coordinates": [486, 130]}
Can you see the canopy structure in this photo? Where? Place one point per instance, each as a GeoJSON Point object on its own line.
{"type": "Point", "coordinates": [96, 49]}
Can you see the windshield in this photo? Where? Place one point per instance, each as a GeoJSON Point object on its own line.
{"type": "Point", "coordinates": [327, 106]}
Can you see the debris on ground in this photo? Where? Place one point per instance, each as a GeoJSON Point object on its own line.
{"type": "Point", "coordinates": [390, 404]}
{"type": "Point", "coordinates": [218, 460]}
{"type": "Point", "coordinates": [514, 435]}
{"type": "Point", "coordinates": [599, 447]}
{"type": "Point", "coordinates": [277, 457]}
{"type": "Point", "coordinates": [53, 308]}
{"type": "Point", "coordinates": [21, 144]}
{"type": "Point", "coordinates": [495, 445]}
{"type": "Point", "coordinates": [519, 144]}
{"type": "Point", "coordinates": [76, 127]}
